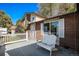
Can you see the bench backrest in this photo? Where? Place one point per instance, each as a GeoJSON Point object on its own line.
{"type": "Point", "coordinates": [49, 39]}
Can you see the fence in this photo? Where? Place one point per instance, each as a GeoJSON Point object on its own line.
{"type": "Point", "coordinates": [9, 38]}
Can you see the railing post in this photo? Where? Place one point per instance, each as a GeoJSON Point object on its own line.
{"type": "Point", "coordinates": [26, 35]}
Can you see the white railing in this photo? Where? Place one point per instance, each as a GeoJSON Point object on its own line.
{"type": "Point", "coordinates": [9, 38]}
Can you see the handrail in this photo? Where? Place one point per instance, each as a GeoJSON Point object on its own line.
{"type": "Point", "coordinates": [13, 34]}
{"type": "Point", "coordinates": [12, 37]}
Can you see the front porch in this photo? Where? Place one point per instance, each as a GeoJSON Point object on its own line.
{"type": "Point", "coordinates": [30, 48]}
{"type": "Point", "coordinates": [18, 45]}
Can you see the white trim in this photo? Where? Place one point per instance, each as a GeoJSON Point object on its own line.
{"type": "Point", "coordinates": [61, 28]}
{"type": "Point", "coordinates": [27, 35]}
{"type": "Point", "coordinates": [42, 27]}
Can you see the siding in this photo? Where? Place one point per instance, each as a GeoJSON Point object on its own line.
{"type": "Point", "coordinates": [70, 31]}
{"type": "Point", "coordinates": [77, 32]}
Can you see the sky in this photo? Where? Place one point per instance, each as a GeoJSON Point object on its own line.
{"type": "Point", "coordinates": [17, 10]}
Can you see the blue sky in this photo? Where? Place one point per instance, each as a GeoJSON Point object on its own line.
{"type": "Point", "coordinates": [17, 10]}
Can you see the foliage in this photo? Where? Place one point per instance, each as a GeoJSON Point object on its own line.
{"type": "Point", "coordinates": [54, 9]}
{"type": "Point", "coordinates": [5, 20]}
{"type": "Point", "coordinates": [22, 25]}
{"type": "Point", "coordinates": [18, 22]}
{"type": "Point", "coordinates": [20, 29]}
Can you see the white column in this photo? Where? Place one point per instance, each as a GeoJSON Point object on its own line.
{"type": "Point", "coordinates": [12, 32]}
{"type": "Point", "coordinates": [42, 29]}
{"type": "Point", "coordinates": [26, 35]}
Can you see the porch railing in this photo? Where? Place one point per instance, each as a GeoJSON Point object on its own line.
{"type": "Point", "coordinates": [9, 38]}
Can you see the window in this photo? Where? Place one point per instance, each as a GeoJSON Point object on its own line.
{"type": "Point", "coordinates": [54, 27]}
{"type": "Point", "coordinates": [46, 27]}
{"type": "Point", "coordinates": [51, 27]}
{"type": "Point", "coordinates": [33, 18]}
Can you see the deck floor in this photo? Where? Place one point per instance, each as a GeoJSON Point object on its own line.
{"type": "Point", "coordinates": [31, 49]}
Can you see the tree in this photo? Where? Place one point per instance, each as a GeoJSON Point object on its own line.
{"type": "Point", "coordinates": [5, 20]}
{"type": "Point", "coordinates": [22, 24]}
{"type": "Point", "coordinates": [18, 22]}
{"type": "Point", "coordinates": [55, 9]}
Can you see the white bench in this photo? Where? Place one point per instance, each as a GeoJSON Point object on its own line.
{"type": "Point", "coordinates": [48, 42]}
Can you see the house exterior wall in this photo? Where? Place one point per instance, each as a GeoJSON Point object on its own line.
{"type": "Point", "coordinates": [37, 21]}
{"type": "Point", "coordinates": [37, 18]}
{"type": "Point", "coordinates": [39, 35]}
{"type": "Point", "coordinates": [31, 32]}
{"type": "Point", "coordinates": [70, 31]}
{"type": "Point", "coordinates": [77, 32]}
